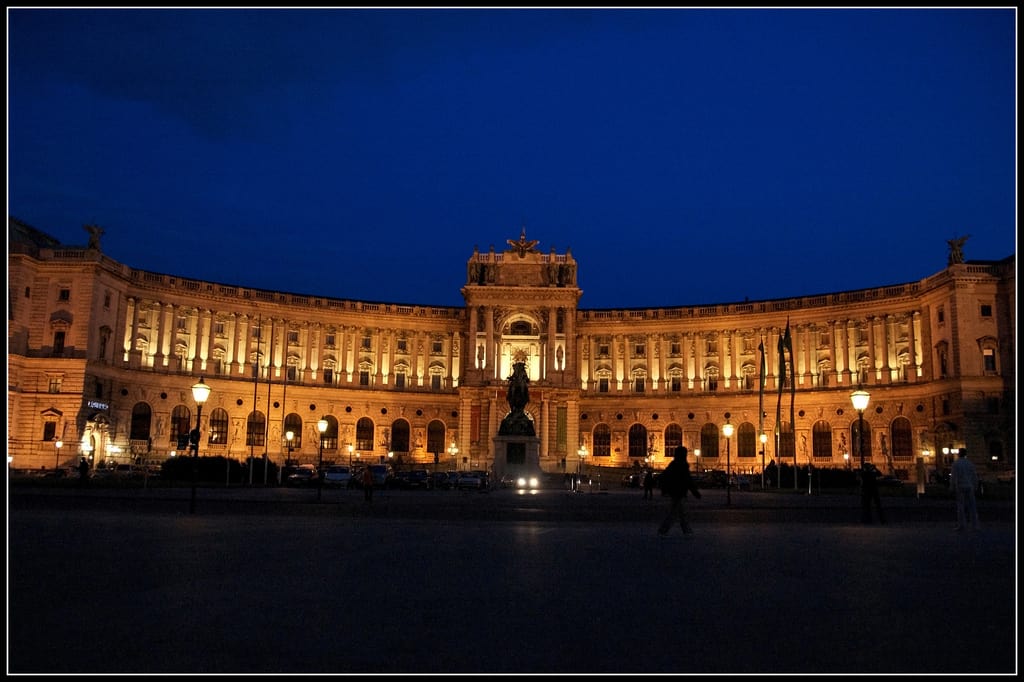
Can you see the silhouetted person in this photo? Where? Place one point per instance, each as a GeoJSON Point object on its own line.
{"type": "Point", "coordinates": [963, 481]}
{"type": "Point", "coordinates": [367, 484]}
{"type": "Point", "coordinates": [83, 471]}
{"type": "Point", "coordinates": [869, 494]}
{"type": "Point", "coordinates": [676, 482]}
{"type": "Point", "coordinates": [648, 485]}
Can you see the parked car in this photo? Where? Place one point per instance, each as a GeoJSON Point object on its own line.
{"type": "Point", "coordinates": [416, 479]}
{"type": "Point", "coordinates": [338, 476]}
{"type": "Point", "coordinates": [383, 475]}
{"type": "Point", "coordinates": [472, 480]}
{"type": "Point", "coordinates": [440, 480]}
{"type": "Point", "coordinates": [527, 482]}
{"type": "Point", "coordinates": [741, 482]}
{"type": "Point", "coordinates": [305, 474]}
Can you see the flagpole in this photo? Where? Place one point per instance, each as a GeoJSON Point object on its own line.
{"type": "Point", "coordinates": [266, 429]}
{"type": "Point", "coordinates": [781, 374]}
{"type": "Point", "coordinates": [792, 399]}
{"type": "Point", "coordinates": [255, 390]}
{"type": "Point", "coordinates": [760, 407]}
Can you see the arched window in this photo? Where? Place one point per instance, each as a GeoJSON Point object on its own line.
{"type": "Point", "coordinates": [902, 438]}
{"type": "Point", "coordinates": [293, 423]}
{"type": "Point", "coordinates": [787, 442]}
{"type": "Point", "coordinates": [857, 444]}
{"type": "Point", "coordinates": [746, 440]}
{"type": "Point", "coordinates": [673, 438]}
{"type": "Point", "coordinates": [435, 438]}
{"type": "Point", "coordinates": [218, 427]}
{"type": "Point", "coordinates": [709, 435]}
{"type": "Point", "coordinates": [181, 419]}
{"type": "Point", "coordinates": [364, 435]}
{"type": "Point", "coordinates": [602, 441]}
{"type": "Point", "coordinates": [331, 434]}
{"type": "Point", "coordinates": [142, 417]}
{"type": "Point", "coordinates": [637, 440]}
{"type": "Point", "coordinates": [256, 429]}
{"type": "Point", "coordinates": [821, 440]}
{"type": "Point", "coordinates": [400, 436]}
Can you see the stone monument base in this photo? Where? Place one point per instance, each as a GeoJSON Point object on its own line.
{"type": "Point", "coordinates": [516, 456]}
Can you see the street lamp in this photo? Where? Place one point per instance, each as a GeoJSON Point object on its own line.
{"type": "Point", "coordinates": [350, 449]}
{"type": "Point", "coordinates": [57, 446]}
{"type": "Point", "coordinates": [321, 426]}
{"type": "Point", "coordinates": [200, 392]}
{"type": "Point", "coordinates": [289, 436]}
{"type": "Point", "coordinates": [764, 441]}
{"type": "Point", "coordinates": [860, 399]}
{"type": "Point", "coordinates": [582, 452]}
{"type": "Point", "coordinates": [696, 453]}
{"type": "Point", "coordinates": [453, 451]}
{"type": "Point", "coordinates": [727, 429]}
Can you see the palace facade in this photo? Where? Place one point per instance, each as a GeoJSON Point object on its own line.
{"type": "Point", "coordinates": [102, 357]}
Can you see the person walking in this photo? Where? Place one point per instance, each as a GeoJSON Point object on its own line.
{"type": "Point", "coordinates": [869, 496]}
{"type": "Point", "coordinates": [963, 481]}
{"type": "Point", "coordinates": [367, 484]}
{"type": "Point", "coordinates": [648, 485]}
{"type": "Point", "coordinates": [676, 482]}
{"type": "Point", "coordinates": [83, 471]}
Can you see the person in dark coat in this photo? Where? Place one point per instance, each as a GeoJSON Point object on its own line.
{"type": "Point", "coordinates": [869, 496]}
{"type": "Point", "coordinates": [648, 485]}
{"type": "Point", "coordinates": [676, 482]}
{"type": "Point", "coordinates": [83, 471]}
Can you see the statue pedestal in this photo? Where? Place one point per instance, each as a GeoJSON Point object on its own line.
{"type": "Point", "coordinates": [516, 455]}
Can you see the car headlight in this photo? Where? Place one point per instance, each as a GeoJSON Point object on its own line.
{"type": "Point", "coordinates": [533, 482]}
{"type": "Point", "coordinates": [520, 482]}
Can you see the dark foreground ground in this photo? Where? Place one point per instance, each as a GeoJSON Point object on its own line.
{"type": "Point", "coordinates": [273, 581]}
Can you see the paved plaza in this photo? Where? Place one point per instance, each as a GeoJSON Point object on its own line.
{"type": "Point", "coordinates": [272, 581]}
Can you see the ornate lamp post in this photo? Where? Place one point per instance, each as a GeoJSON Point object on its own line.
{"type": "Point", "coordinates": [321, 426]}
{"type": "Point", "coordinates": [57, 446]}
{"type": "Point", "coordinates": [582, 452]}
{"type": "Point", "coordinates": [200, 392]}
{"type": "Point", "coordinates": [727, 430]}
{"type": "Point", "coordinates": [860, 399]}
{"type": "Point", "coordinates": [350, 449]}
{"type": "Point", "coordinates": [696, 453]}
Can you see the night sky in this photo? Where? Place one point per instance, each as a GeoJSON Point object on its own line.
{"type": "Point", "coordinates": [684, 156]}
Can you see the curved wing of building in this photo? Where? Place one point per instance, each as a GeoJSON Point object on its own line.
{"type": "Point", "coordinates": [102, 357]}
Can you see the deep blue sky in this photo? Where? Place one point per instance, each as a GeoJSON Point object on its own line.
{"type": "Point", "coordinates": [685, 156]}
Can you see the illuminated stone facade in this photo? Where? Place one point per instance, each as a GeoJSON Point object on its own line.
{"type": "Point", "coordinates": [103, 355]}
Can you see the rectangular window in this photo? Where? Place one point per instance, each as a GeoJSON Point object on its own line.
{"type": "Point", "coordinates": [329, 340]}
{"type": "Point", "coordinates": [364, 378]}
{"type": "Point", "coordinates": [218, 328]}
{"type": "Point", "coordinates": [64, 295]}
{"type": "Point", "coordinates": [989, 357]}
{"type": "Point", "coordinates": [712, 383]}
{"type": "Point", "coordinates": [182, 324]}
{"type": "Point", "coordinates": [675, 348]}
{"type": "Point", "coordinates": [435, 382]}
{"type": "Point", "coordinates": [639, 350]}
{"type": "Point", "coordinates": [712, 347]}
{"type": "Point", "coordinates": [602, 349]}
{"type": "Point", "coordinates": [58, 343]}
{"type": "Point", "coordinates": [400, 380]}
{"type": "Point", "coordinates": [942, 314]}
{"type": "Point", "coordinates": [986, 310]}
{"type": "Point", "coordinates": [403, 345]}
{"type": "Point", "coordinates": [437, 348]}
{"type": "Point", "coordinates": [291, 373]}
{"type": "Point", "coordinates": [54, 384]}
{"type": "Point", "coordinates": [945, 406]}
{"type": "Point", "coordinates": [28, 292]}
{"type": "Point", "coordinates": [328, 376]}
{"type": "Point", "coordinates": [638, 385]}
{"type": "Point", "coordinates": [49, 430]}
{"type": "Point", "coordinates": [602, 385]}
{"type": "Point", "coordinates": [293, 338]}
{"type": "Point", "coordinates": [677, 384]}
{"type": "Point", "coordinates": [367, 343]}
{"type": "Point", "coordinates": [255, 332]}
{"type": "Point", "coordinates": [106, 300]}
